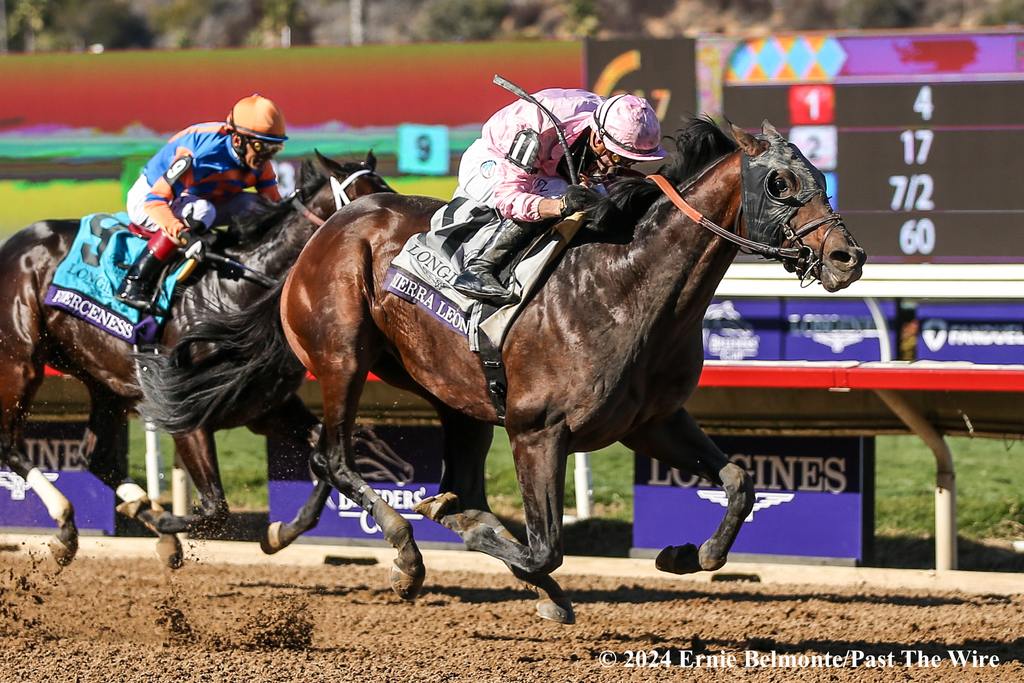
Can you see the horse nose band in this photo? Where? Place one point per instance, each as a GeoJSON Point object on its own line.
{"type": "Point", "coordinates": [806, 263]}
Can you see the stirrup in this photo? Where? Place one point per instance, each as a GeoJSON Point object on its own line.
{"type": "Point", "coordinates": [470, 284]}
{"type": "Point", "coordinates": [135, 296]}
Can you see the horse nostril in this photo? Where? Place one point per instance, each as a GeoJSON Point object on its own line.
{"type": "Point", "coordinates": [853, 257]}
{"type": "Point", "coordinates": [840, 256]}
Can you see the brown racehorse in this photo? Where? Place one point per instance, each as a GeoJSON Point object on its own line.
{"type": "Point", "coordinates": [32, 334]}
{"type": "Point", "coordinates": [608, 350]}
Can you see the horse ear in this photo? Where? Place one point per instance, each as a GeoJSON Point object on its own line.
{"type": "Point", "coordinates": [371, 161]}
{"type": "Point", "coordinates": [768, 129]}
{"type": "Point", "coordinates": [750, 145]}
{"type": "Point", "coordinates": [308, 170]}
{"type": "Point", "coordinates": [330, 167]}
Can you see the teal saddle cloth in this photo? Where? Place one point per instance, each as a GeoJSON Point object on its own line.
{"type": "Point", "coordinates": [86, 280]}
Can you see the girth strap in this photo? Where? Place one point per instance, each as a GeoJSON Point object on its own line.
{"type": "Point", "coordinates": [493, 367]}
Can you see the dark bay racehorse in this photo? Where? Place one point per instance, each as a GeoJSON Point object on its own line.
{"type": "Point", "coordinates": [608, 350]}
{"type": "Point", "coordinates": [32, 334]}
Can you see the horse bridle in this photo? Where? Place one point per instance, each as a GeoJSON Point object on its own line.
{"type": "Point", "coordinates": [807, 264]}
{"type": "Point", "coordinates": [339, 188]}
{"type": "Point", "coordinates": [800, 259]}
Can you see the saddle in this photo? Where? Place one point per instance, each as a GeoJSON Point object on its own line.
{"type": "Point", "coordinates": [423, 272]}
{"type": "Point", "coordinates": [103, 250]}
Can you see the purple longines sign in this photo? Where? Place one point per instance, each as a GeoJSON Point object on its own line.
{"type": "Point", "coordinates": [814, 500]}
{"type": "Point", "coordinates": [401, 463]}
{"type": "Point", "coordinates": [835, 330]}
{"type": "Point", "coordinates": [57, 449]}
{"type": "Point", "coordinates": [980, 333]}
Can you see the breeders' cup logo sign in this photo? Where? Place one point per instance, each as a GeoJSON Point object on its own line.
{"type": "Point", "coordinates": [402, 463]}
{"type": "Point", "coordinates": [402, 500]}
{"type": "Point", "coordinates": [377, 461]}
{"type": "Point", "coordinates": [726, 335]}
{"type": "Point", "coordinates": [810, 498]}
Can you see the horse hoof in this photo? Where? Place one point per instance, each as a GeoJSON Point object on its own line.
{"type": "Point", "coordinates": [130, 509]}
{"type": "Point", "coordinates": [270, 543]}
{"type": "Point", "coordinates": [679, 559]}
{"type": "Point", "coordinates": [168, 549]}
{"type": "Point", "coordinates": [551, 610]}
{"type": "Point", "coordinates": [437, 506]}
{"type": "Point", "coordinates": [406, 586]}
{"type": "Point", "coordinates": [63, 552]}
{"type": "Point", "coordinates": [708, 562]}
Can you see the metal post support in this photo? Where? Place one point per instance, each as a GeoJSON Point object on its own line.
{"type": "Point", "coordinates": [181, 492]}
{"type": "Point", "coordinates": [945, 476]}
{"type": "Point", "coordinates": [884, 348]}
{"type": "Point", "coordinates": [581, 478]}
{"type": "Point", "coordinates": [154, 464]}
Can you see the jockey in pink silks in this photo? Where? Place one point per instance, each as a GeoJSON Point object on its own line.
{"type": "Point", "coordinates": [517, 169]}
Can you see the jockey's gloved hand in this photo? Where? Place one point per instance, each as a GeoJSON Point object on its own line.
{"type": "Point", "coordinates": [195, 226]}
{"type": "Point", "coordinates": [578, 198]}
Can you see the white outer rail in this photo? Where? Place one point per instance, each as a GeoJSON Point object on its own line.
{"type": "Point", "coordinates": [917, 281]}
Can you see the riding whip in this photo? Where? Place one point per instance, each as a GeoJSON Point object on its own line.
{"type": "Point", "coordinates": [523, 95]}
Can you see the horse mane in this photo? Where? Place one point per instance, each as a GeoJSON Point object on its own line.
{"type": "Point", "coordinates": [698, 144]}
{"type": "Point", "coordinates": [254, 226]}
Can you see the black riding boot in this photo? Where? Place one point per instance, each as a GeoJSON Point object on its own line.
{"type": "Point", "coordinates": [479, 280]}
{"type": "Point", "coordinates": [139, 284]}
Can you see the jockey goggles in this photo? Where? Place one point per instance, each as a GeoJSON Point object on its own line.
{"type": "Point", "coordinates": [263, 149]}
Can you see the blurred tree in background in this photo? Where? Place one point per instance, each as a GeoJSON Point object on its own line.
{"type": "Point", "coordinates": [1005, 12]}
{"type": "Point", "coordinates": [76, 25]}
{"type": "Point", "coordinates": [458, 20]}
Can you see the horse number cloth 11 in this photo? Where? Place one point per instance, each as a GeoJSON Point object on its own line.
{"type": "Point", "coordinates": [87, 278]}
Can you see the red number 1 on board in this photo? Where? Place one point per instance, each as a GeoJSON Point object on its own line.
{"type": "Point", "coordinates": [811, 104]}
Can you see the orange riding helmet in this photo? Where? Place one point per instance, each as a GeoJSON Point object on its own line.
{"type": "Point", "coordinates": [258, 117]}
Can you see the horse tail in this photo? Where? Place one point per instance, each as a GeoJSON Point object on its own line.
{"type": "Point", "coordinates": [215, 367]}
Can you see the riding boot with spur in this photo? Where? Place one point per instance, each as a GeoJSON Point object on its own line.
{"type": "Point", "coordinates": [139, 284]}
{"type": "Point", "coordinates": [479, 280]}
{"type": "Point", "coordinates": [137, 288]}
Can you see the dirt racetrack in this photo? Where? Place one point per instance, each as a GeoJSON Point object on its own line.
{"type": "Point", "coordinates": [130, 620]}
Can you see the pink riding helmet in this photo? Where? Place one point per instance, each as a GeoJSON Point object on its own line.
{"type": "Point", "coordinates": [629, 127]}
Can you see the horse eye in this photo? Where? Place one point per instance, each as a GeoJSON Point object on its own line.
{"type": "Point", "coordinates": [778, 187]}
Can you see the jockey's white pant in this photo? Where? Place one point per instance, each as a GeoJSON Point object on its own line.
{"type": "Point", "coordinates": [187, 206]}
